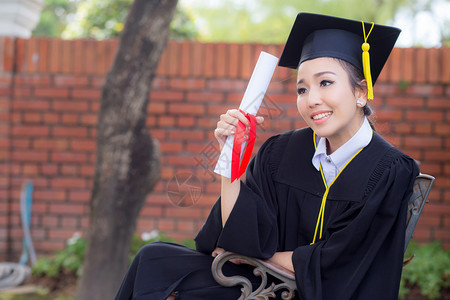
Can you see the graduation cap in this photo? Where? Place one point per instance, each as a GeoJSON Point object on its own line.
{"type": "Point", "coordinates": [315, 35]}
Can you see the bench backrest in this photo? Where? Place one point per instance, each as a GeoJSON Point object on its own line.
{"type": "Point", "coordinates": [422, 187]}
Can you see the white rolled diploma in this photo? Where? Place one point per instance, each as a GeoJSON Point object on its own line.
{"type": "Point", "coordinates": [253, 97]}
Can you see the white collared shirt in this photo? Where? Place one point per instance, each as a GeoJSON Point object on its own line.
{"type": "Point", "coordinates": [333, 163]}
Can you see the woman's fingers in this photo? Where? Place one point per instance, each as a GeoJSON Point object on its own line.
{"type": "Point", "coordinates": [233, 116]}
{"type": "Point", "coordinates": [259, 120]}
{"type": "Point", "coordinates": [226, 125]}
{"type": "Point", "coordinates": [217, 251]}
{"type": "Point", "coordinates": [237, 261]}
{"type": "Point", "coordinates": [240, 116]}
{"type": "Point", "coordinates": [228, 122]}
{"type": "Point", "coordinates": [225, 128]}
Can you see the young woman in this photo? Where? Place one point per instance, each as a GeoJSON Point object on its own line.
{"type": "Point", "coordinates": [327, 202]}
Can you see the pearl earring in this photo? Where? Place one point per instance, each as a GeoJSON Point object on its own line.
{"type": "Point", "coordinates": [359, 102]}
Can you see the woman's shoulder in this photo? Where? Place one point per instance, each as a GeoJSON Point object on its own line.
{"type": "Point", "coordinates": [385, 150]}
{"type": "Point", "coordinates": [388, 160]}
{"type": "Point", "coordinates": [379, 164]}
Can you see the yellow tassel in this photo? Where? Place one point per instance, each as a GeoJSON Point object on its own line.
{"type": "Point", "coordinates": [366, 62]}
{"type": "Point", "coordinates": [325, 195]}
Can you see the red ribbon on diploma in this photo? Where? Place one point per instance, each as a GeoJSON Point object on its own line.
{"type": "Point", "coordinates": [236, 170]}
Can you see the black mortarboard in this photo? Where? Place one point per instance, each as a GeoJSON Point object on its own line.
{"type": "Point", "coordinates": [314, 36]}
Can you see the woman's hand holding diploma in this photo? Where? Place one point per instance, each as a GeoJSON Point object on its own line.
{"type": "Point", "coordinates": [226, 126]}
{"type": "Point", "coordinates": [228, 163]}
{"type": "Point", "coordinates": [227, 129]}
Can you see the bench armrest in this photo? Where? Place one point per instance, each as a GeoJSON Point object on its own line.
{"type": "Point", "coordinates": [262, 268]}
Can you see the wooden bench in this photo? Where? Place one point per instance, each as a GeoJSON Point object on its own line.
{"type": "Point", "coordinates": [263, 268]}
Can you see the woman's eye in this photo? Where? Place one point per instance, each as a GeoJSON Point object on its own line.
{"type": "Point", "coordinates": [325, 82]}
{"type": "Point", "coordinates": [301, 91]}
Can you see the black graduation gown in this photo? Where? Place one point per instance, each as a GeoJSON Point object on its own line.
{"type": "Point", "coordinates": [162, 268]}
{"type": "Point", "coordinates": [361, 252]}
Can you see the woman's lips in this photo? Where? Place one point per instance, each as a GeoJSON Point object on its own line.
{"type": "Point", "coordinates": [321, 116]}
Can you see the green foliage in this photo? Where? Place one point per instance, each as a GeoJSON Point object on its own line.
{"type": "Point", "coordinates": [262, 21]}
{"type": "Point", "coordinates": [36, 294]}
{"type": "Point", "coordinates": [403, 85]}
{"type": "Point", "coordinates": [269, 21]}
{"type": "Point", "coordinates": [429, 270]}
{"type": "Point", "coordinates": [64, 298]}
{"type": "Point", "coordinates": [101, 19]}
{"type": "Point", "coordinates": [137, 242]}
{"type": "Point", "coordinates": [70, 260]}
{"type": "Point", "coordinates": [183, 26]}
{"type": "Point", "coordinates": [54, 17]}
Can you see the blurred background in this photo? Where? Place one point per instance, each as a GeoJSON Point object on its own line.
{"type": "Point", "coordinates": [53, 77]}
{"type": "Point", "coordinates": [424, 23]}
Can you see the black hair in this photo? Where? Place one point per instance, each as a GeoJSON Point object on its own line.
{"type": "Point", "coordinates": [356, 76]}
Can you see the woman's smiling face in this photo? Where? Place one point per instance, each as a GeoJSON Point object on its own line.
{"type": "Point", "coordinates": [327, 101]}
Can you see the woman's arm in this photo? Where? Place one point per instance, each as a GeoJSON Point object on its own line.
{"type": "Point", "coordinates": [225, 127]}
{"type": "Point", "coordinates": [229, 193]}
{"type": "Point", "coordinates": [243, 219]}
{"type": "Point", "coordinates": [283, 259]}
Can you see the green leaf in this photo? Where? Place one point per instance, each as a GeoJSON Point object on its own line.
{"type": "Point", "coordinates": [429, 270]}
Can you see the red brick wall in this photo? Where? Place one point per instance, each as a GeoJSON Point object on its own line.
{"type": "Point", "coordinates": [49, 99]}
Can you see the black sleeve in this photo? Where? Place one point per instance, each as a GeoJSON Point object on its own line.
{"type": "Point", "coordinates": [362, 253]}
{"type": "Point", "coordinates": [251, 228]}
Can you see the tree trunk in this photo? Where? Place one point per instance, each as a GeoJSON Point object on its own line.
{"type": "Point", "coordinates": [127, 165]}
